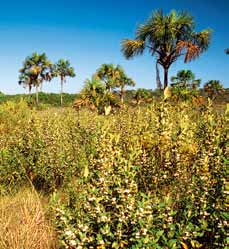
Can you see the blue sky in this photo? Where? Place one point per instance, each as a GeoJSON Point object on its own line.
{"type": "Point", "coordinates": [89, 32]}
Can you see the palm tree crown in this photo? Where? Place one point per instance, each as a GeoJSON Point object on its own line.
{"type": "Point", "coordinates": [63, 69]}
{"type": "Point", "coordinates": [168, 37]}
{"type": "Point", "coordinates": [36, 68]}
{"type": "Point", "coordinates": [213, 88]}
{"type": "Point", "coordinates": [109, 74]}
{"type": "Point", "coordinates": [185, 78]}
{"type": "Point", "coordinates": [114, 76]}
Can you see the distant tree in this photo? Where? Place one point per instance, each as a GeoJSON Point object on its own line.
{"type": "Point", "coordinates": [184, 85]}
{"type": "Point", "coordinates": [142, 95]}
{"type": "Point", "coordinates": [213, 88]}
{"type": "Point", "coordinates": [95, 96]}
{"type": "Point", "coordinates": [109, 74]}
{"type": "Point", "coordinates": [36, 68]}
{"type": "Point", "coordinates": [90, 95]}
{"type": "Point", "coordinates": [124, 81]}
{"type": "Point", "coordinates": [186, 79]}
{"type": "Point", "coordinates": [93, 86]}
{"type": "Point", "coordinates": [114, 77]}
{"type": "Point", "coordinates": [63, 69]}
{"type": "Point", "coordinates": [168, 37]}
{"type": "Point", "coordinates": [227, 51]}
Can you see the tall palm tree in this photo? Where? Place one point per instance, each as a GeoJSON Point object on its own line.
{"type": "Point", "coordinates": [63, 69]}
{"type": "Point", "coordinates": [36, 68]}
{"type": "Point", "coordinates": [168, 37]}
{"type": "Point", "coordinates": [185, 78]}
{"type": "Point", "coordinates": [158, 80]}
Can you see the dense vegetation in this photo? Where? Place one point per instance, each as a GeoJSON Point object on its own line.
{"type": "Point", "coordinates": [145, 177]}
{"type": "Point", "coordinates": [46, 99]}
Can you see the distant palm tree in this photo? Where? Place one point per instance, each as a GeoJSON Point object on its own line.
{"type": "Point", "coordinates": [26, 81]}
{"type": "Point", "coordinates": [114, 77]}
{"type": "Point", "coordinates": [36, 68]}
{"type": "Point", "coordinates": [185, 78]}
{"type": "Point", "coordinates": [213, 88]}
{"type": "Point", "coordinates": [109, 74]}
{"type": "Point", "coordinates": [122, 83]}
{"type": "Point", "coordinates": [168, 37]}
{"type": "Point", "coordinates": [91, 93]}
{"type": "Point", "coordinates": [63, 69]}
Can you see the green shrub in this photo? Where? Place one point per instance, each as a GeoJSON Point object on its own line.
{"type": "Point", "coordinates": [146, 177]}
{"type": "Point", "coordinates": [155, 180]}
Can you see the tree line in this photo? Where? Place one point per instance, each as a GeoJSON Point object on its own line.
{"type": "Point", "coordinates": [37, 69]}
{"type": "Point", "coordinates": [166, 37]}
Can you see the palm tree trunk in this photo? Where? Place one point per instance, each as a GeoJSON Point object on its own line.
{"type": "Point", "coordinates": [158, 80]}
{"type": "Point", "coordinates": [61, 91]}
{"type": "Point", "coordinates": [30, 88]}
{"type": "Point", "coordinates": [37, 98]}
{"type": "Point", "coordinates": [166, 70]}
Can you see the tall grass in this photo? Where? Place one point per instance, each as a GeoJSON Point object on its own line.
{"type": "Point", "coordinates": [23, 223]}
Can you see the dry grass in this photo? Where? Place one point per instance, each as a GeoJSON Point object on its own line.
{"type": "Point", "coordinates": [23, 224]}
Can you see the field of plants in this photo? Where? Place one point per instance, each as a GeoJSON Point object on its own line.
{"type": "Point", "coordinates": [151, 176]}
{"type": "Point", "coordinates": [111, 166]}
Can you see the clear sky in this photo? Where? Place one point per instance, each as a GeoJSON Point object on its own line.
{"type": "Point", "coordinates": [89, 32]}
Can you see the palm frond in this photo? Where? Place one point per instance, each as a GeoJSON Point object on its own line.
{"type": "Point", "coordinates": [130, 48]}
{"type": "Point", "coordinates": [202, 39]}
{"type": "Point", "coordinates": [192, 51]}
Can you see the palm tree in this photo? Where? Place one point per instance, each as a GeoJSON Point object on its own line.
{"type": "Point", "coordinates": [114, 76]}
{"type": "Point", "coordinates": [26, 81]}
{"type": "Point", "coordinates": [168, 37]}
{"type": "Point", "coordinates": [109, 74]}
{"type": "Point", "coordinates": [36, 68]}
{"type": "Point", "coordinates": [91, 93]}
{"type": "Point", "coordinates": [213, 88]}
{"type": "Point", "coordinates": [122, 83]}
{"type": "Point", "coordinates": [63, 69]}
{"type": "Point", "coordinates": [185, 78]}
{"type": "Point", "coordinates": [158, 80]}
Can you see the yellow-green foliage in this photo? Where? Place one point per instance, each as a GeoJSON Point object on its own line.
{"type": "Point", "coordinates": [147, 177]}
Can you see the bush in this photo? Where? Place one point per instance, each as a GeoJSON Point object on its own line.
{"type": "Point", "coordinates": [146, 177]}
{"type": "Point", "coordinates": [155, 180]}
